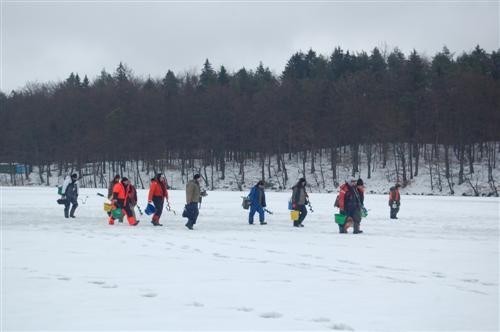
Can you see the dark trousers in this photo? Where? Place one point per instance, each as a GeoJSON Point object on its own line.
{"type": "Point", "coordinates": [302, 214]}
{"type": "Point", "coordinates": [394, 212]}
{"type": "Point", "coordinates": [74, 204]}
{"type": "Point", "coordinates": [158, 203]}
{"type": "Point", "coordinates": [355, 215]}
{"type": "Point", "coordinates": [254, 209]}
{"type": "Point", "coordinates": [192, 213]}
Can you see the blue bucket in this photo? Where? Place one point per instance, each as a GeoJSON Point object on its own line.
{"type": "Point", "coordinates": [150, 209]}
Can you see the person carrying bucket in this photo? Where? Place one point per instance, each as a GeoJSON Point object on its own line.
{"type": "Point", "coordinates": [121, 201]}
{"type": "Point", "coordinates": [111, 186]}
{"type": "Point", "coordinates": [350, 204]}
{"type": "Point", "coordinates": [157, 195]}
{"type": "Point", "coordinates": [299, 201]}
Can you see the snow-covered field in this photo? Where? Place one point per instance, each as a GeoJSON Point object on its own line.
{"type": "Point", "coordinates": [436, 268]}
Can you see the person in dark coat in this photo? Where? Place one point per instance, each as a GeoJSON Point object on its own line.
{"type": "Point", "coordinates": [394, 200]}
{"type": "Point", "coordinates": [299, 201]}
{"type": "Point", "coordinates": [257, 202]}
{"type": "Point", "coordinates": [70, 195]}
{"type": "Point", "coordinates": [350, 204]}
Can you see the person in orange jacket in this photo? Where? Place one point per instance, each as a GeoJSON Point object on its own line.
{"type": "Point", "coordinates": [121, 191]}
{"type": "Point", "coordinates": [394, 200]}
{"type": "Point", "coordinates": [111, 185]}
{"type": "Point", "coordinates": [157, 195]}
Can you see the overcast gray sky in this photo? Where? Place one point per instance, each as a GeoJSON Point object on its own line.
{"type": "Point", "coordinates": [47, 40]}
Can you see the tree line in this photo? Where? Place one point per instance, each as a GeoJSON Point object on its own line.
{"type": "Point", "coordinates": [381, 102]}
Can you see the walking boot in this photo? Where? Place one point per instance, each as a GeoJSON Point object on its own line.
{"type": "Point", "coordinates": [156, 221]}
{"type": "Point", "coordinates": [356, 228]}
{"type": "Point", "coordinates": [72, 212]}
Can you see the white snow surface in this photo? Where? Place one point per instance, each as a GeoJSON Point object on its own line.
{"type": "Point", "coordinates": [435, 268]}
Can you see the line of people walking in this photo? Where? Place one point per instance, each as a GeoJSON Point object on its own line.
{"type": "Point", "coordinates": [123, 197]}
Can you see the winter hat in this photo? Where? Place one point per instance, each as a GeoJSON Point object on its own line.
{"type": "Point", "coordinates": [260, 183]}
{"type": "Point", "coordinates": [74, 176]}
{"type": "Point", "coordinates": [196, 176]}
{"type": "Point", "coordinates": [360, 182]}
{"type": "Point", "coordinates": [397, 185]}
{"type": "Point", "coordinates": [124, 179]}
{"type": "Point", "coordinates": [117, 177]}
{"type": "Point", "coordinates": [302, 180]}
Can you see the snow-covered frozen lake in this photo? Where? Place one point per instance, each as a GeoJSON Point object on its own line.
{"type": "Point", "coordinates": [435, 268]}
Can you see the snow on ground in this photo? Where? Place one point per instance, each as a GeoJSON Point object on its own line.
{"type": "Point", "coordinates": [436, 268]}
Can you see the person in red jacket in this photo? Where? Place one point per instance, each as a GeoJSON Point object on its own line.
{"type": "Point", "coordinates": [121, 191]}
{"type": "Point", "coordinates": [157, 195]}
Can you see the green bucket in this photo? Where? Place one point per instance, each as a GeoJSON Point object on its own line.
{"type": "Point", "coordinates": [364, 212]}
{"type": "Point", "coordinates": [117, 213]}
{"type": "Point", "coordinates": [340, 218]}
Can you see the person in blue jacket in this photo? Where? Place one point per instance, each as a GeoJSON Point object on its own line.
{"type": "Point", "coordinates": [257, 202]}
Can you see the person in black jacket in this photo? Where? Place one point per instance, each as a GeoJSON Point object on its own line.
{"type": "Point", "coordinates": [299, 201]}
{"type": "Point", "coordinates": [70, 195]}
